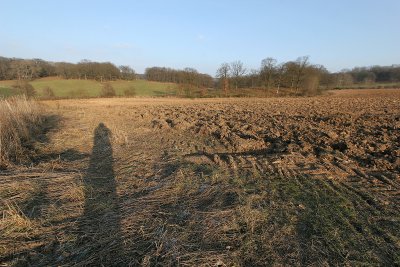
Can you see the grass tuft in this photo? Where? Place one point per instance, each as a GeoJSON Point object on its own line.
{"type": "Point", "coordinates": [14, 221]}
{"type": "Point", "coordinates": [20, 120]}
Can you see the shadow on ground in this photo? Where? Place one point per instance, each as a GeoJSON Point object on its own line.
{"type": "Point", "coordinates": [99, 239]}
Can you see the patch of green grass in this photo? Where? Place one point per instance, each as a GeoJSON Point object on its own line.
{"type": "Point", "coordinates": [68, 88]}
{"type": "Point", "coordinates": [6, 91]}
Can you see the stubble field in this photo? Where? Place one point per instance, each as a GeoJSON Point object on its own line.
{"type": "Point", "coordinates": [210, 182]}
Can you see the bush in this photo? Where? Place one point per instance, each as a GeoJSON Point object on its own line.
{"type": "Point", "coordinates": [185, 90]}
{"type": "Point", "coordinates": [131, 91]}
{"type": "Point", "coordinates": [107, 90]}
{"type": "Point", "coordinates": [78, 93]}
{"type": "Point", "coordinates": [24, 88]}
{"type": "Point", "coordinates": [48, 92]}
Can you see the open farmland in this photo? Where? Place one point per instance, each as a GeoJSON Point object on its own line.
{"type": "Point", "coordinates": [209, 182]}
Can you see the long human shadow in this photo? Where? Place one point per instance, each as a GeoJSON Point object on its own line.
{"type": "Point", "coordinates": [100, 238]}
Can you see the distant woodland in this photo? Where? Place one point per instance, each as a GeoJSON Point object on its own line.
{"type": "Point", "coordinates": [298, 75]}
{"type": "Point", "coordinates": [30, 69]}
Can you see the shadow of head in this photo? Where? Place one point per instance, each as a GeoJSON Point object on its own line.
{"type": "Point", "coordinates": [102, 131]}
{"type": "Point", "coordinates": [101, 158]}
{"type": "Point", "coordinates": [101, 139]}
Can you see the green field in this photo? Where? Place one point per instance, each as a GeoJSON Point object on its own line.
{"type": "Point", "coordinates": [89, 88]}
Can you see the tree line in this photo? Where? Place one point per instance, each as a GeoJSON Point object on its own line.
{"type": "Point", "coordinates": [298, 75]}
{"type": "Point", "coordinates": [367, 75]}
{"type": "Point", "coordinates": [187, 76]}
{"type": "Point", "coordinates": [29, 69]}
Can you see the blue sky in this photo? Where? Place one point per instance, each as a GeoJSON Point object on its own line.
{"type": "Point", "coordinates": [203, 33]}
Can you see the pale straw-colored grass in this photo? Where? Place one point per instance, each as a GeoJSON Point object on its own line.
{"type": "Point", "coordinates": [20, 120]}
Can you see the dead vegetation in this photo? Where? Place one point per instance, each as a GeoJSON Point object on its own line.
{"type": "Point", "coordinates": [217, 182]}
{"type": "Point", "coordinates": [21, 121]}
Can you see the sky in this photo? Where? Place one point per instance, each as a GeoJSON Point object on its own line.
{"type": "Point", "coordinates": [203, 34]}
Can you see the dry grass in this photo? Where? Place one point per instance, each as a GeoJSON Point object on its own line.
{"type": "Point", "coordinates": [14, 221]}
{"type": "Point", "coordinates": [20, 121]}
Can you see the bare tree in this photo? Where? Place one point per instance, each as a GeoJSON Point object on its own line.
{"type": "Point", "coordinates": [302, 63]}
{"type": "Point", "coordinates": [254, 75]}
{"type": "Point", "coordinates": [127, 73]}
{"type": "Point", "coordinates": [237, 71]}
{"type": "Point", "coordinates": [191, 81]}
{"type": "Point", "coordinates": [267, 70]}
{"type": "Point", "coordinates": [22, 69]}
{"type": "Point", "coordinates": [280, 71]}
{"type": "Point", "coordinates": [223, 73]}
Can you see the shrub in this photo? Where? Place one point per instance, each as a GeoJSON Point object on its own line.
{"type": "Point", "coordinates": [78, 93]}
{"type": "Point", "coordinates": [131, 91]}
{"type": "Point", "coordinates": [24, 88]}
{"type": "Point", "coordinates": [107, 90]}
{"type": "Point", "coordinates": [48, 92]}
{"type": "Point", "coordinates": [185, 90]}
